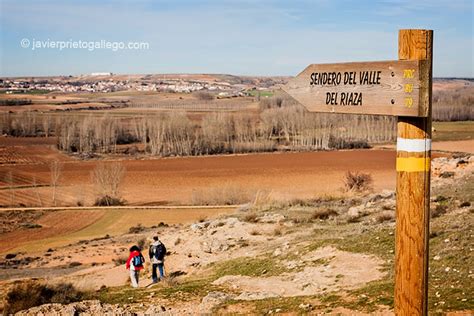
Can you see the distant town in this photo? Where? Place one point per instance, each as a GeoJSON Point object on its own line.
{"type": "Point", "coordinates": [221, 85]}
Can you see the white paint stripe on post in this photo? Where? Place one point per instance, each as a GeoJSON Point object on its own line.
{"type": "Point", "coordinates": [413, 145]}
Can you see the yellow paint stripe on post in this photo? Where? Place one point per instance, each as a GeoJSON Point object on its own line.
{"type": "Point", "coordinates": [413, 164]}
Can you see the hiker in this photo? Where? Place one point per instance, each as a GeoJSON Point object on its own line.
{"type": "Point", "coordinates": [135, 263]}
{"type": "Point", "coordinates": [157, 254]}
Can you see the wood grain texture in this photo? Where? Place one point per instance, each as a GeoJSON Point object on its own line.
{"type": "Point", "coordinates": [387, 96]}
{"type": "Point", "coordinates": [413, 192]}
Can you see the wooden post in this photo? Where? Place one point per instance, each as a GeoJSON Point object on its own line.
{"type": "Point", "coordinates": [413, 187]}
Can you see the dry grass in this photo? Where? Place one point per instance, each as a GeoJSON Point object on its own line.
{"type": "Point", "coordinates": [204, 95]}
{"type": "Point", "coordinates": [357, 181]}
{"type": "Point", "coordinates": [202, 218]}
{"type": "Point", "coordinates": [325, 213]}
{"type": "Point", "coordinates": [120, 260]}
{"type": "Point", "coordinates": [251, 218]}
{"type": "Point", "coordinates": [438, 211]}
{"type": "Point", "coordinates": [254, 232]}
{"type": "Point", "coordinates": [385, 216]}
{"type": "Point", "coordinates": [141, 243]}
{"type": "Point", "coordinates": [277, 231]}
{"type": "Point", "coordinates": [262, 199]}
{"type": "Point", "coordinates": [136, 229]}
{"type": "Point", "coordinates": [224, 195]}
{"type": "Point", "coordinates": [454, 105]}
{"type": "Point", "coordinates": [29, 294]}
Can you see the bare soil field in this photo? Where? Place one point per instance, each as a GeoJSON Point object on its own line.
{"type": "Point", "coordinates": [25, 174]}
{"type": "Point", "coordinates": [54, 107]}
{"type": "Point", "coordinates": [29, 150]}
{"type": "Point", "coordinates": [440, 84]}
{"type": "Point", "coordinates": [176, 180]}
{"type": "Point", "coordinates": [453, 146]}
{"type": "Point", "coordinates": [55, 228]}
{"type": "Point", "coordinates": [466, 146]}
{"type": "Point", "coordinates": [303, 255]}
{"type": "Point", "coordinates": [52, 224]}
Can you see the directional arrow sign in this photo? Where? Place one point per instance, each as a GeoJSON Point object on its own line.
{"type": "Point", "coordinates": [397, 88]}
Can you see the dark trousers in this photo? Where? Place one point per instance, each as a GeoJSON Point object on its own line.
{"type": "Point", "coordinates": [154, 275]}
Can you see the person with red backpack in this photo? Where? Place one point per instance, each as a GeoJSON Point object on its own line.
{"type": "Point", "coordinates": [135, 263]}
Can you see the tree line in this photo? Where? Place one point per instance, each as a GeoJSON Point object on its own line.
{"type": "Point", "coordinates": [175, 134]}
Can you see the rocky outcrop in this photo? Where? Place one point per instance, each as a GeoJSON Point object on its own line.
{"type": "Point", "coordinates": [92, 308]}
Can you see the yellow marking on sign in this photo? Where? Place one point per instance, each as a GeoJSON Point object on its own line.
{"type": "Point", "coordinates": [409, 102]}
{"type": "Point", "coordinates": [408, 73]}
{"type": "Point", "coordinates": [413, 164]}
{"type": "Point", "coordinates": [408, 87]}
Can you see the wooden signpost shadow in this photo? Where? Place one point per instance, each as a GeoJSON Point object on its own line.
{"type": "Point", "coordinates": [400, 88]}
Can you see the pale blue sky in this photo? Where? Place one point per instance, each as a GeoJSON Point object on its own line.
{"type": "Point", "coordinates": [236, 37]}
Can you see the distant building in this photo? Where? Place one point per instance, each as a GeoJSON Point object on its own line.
{"type": "Point", "coordinates": [101, 74]}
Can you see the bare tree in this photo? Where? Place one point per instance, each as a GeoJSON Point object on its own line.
{"type": "Point", "coordinates": [66, 132]}
{"type": "Point", "coordinates": [204, 95]}
{"type": "Point", "coordinates": [38, 197]}
{"type": "Point", "coordinates": [9, 181]}
{"type": "Point", "coordinates": [107, 178]}
{"type": "Point", "coordinates": [55, 169]}
{"type": "Point", "coordinates": [46, 122]}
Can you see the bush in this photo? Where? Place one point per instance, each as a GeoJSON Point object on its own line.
{"type": "Point", "coordinates": [31, 225]}
{"type": "Point", "coordinates": [447, 174]}
{"type": "Point", "coordinates": [465, 204]}
{"type": "Point", "coordinates": [385, 216]}
{"type": "Point", "coordinates": [438, 211]}
{"type": "Point", "coordinates": [204, 95]}
{"type": "Point", "coordinates": [251, 218]}
{"type": "Point", "coordinates": [136, 229]}
{"type": "Point", "coordinates": [441, 199]}
{"type": "Point", "coordinates": [30, 294]}
{"type": "Point", "coordinates": [324, 214]}
{"type": "Point", "coordinates": [75, 264]}
{"type": "Point", "coordinates": [342, 143]}
{"type": "Point", "coordinates": [109, 201]}
{"type": "Point", "coordinates": [107, 179]}
{"type": "Point", "coordinates": [13, 102]}
{"type": "Point", "coordinates": [254, 232]}
{"type": "Point", "coordinates": [141, 244]}
{"type": "Point", "coordinates": [276, 102]}
{"type": "Point", "coordinates": [357, 181]}
{"type": "Point", "coordinates": [120, 260]}
{"type": "Point", "coordinates": [277, 231]}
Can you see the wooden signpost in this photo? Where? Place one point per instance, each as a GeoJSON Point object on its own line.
{"type": "Point", "coordinates": [382, 87]}
{"type": "Point", "coordinates": [400, 88]}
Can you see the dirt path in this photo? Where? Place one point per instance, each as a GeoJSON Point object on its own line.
{"type": "Point", "coordinates": [343, 270]}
